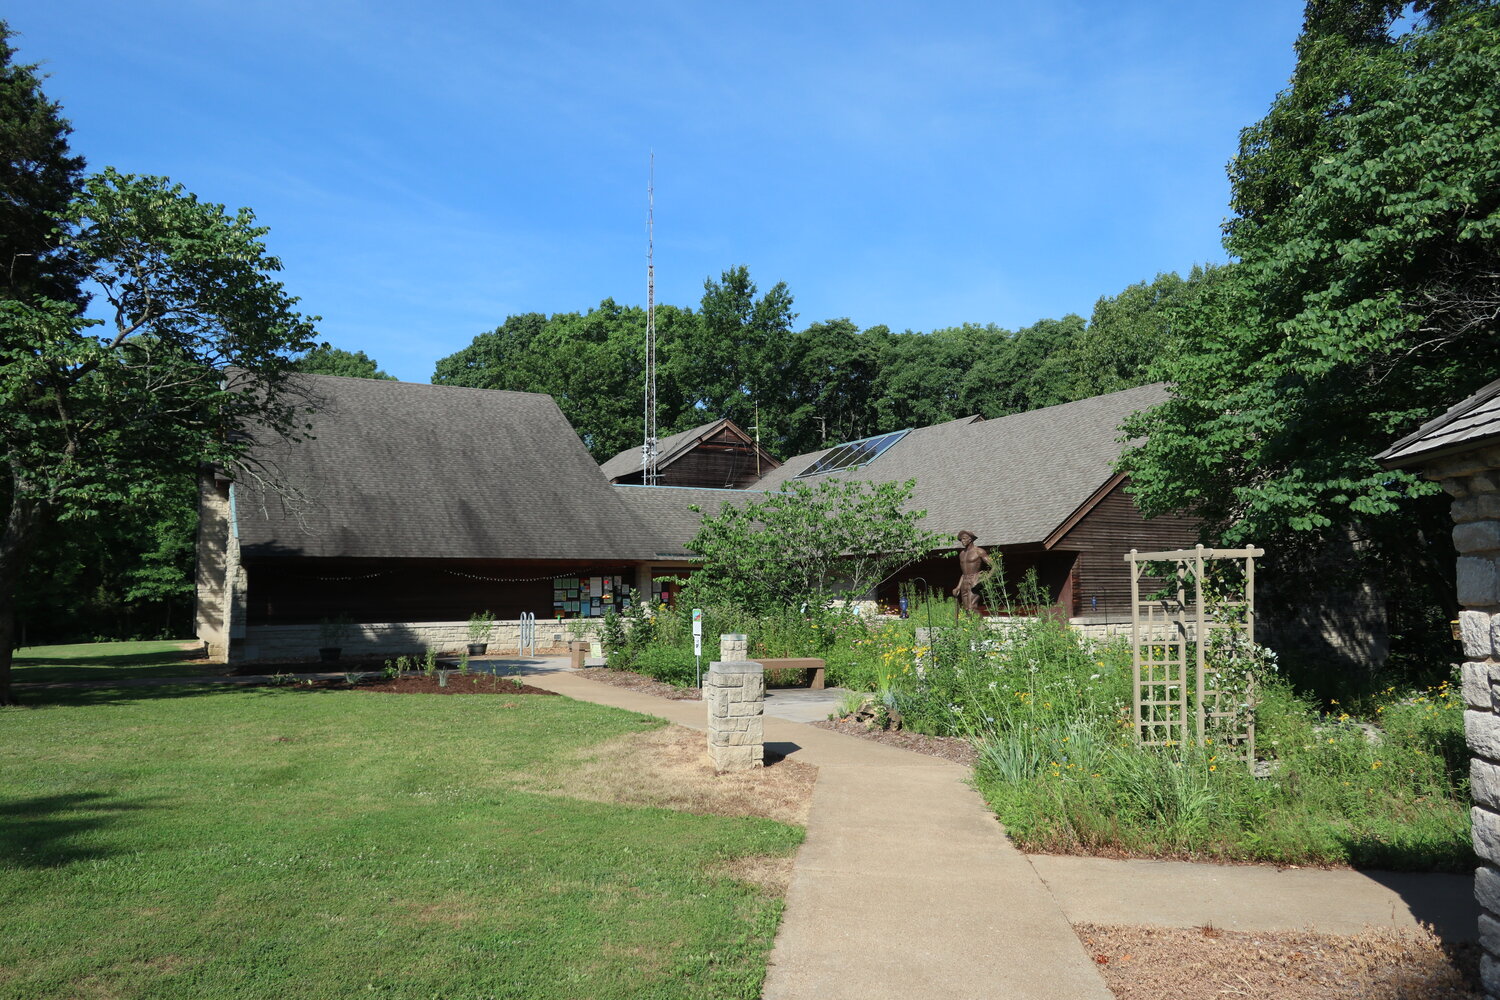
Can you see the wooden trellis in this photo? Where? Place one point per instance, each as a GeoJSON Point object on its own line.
{"type": "Point", "coordinates": [1179, 622]}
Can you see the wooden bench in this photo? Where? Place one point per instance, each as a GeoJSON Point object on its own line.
{"type": "Point", "coordinates": [813, 665]}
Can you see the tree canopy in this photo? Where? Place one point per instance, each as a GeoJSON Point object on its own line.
{"type": "Point", "coordinates": [807, 545]}
{"type": "Point", "coordinates": [737, 356]}
{"type": "Point", "coordinates": [104, 418]}
{"type": "Point", "coordinates": [328, 360]}
{"type": "Point", "coordinates": [1364, 297]}
{"type": "Point", "coordinates": [39, 175]}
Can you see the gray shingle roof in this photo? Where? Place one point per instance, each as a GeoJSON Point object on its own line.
{"type": "Point", "coordinates": [666, 512]}
{"type": "Point", "coordinates": [668, 449]}
{"type": "Point", "coordinates": [404, 470]}
{"type": "Point", "coordinates": [1473, 422]}
{"type": "Point", "coordinates": [1011, 480]}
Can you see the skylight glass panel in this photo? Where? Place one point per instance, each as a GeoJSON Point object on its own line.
{"type": "Point", "coordinates": [853, 455]}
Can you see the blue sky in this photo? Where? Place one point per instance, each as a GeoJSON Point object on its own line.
{"type": "Point", "coordinates": [428, 169]}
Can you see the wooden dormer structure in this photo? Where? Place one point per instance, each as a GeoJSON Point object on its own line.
{"type": "Point", "coordinates": [716, 455]}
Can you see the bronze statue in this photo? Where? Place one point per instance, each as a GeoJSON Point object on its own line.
{"type": "Point", "coordinates": [972, 560]}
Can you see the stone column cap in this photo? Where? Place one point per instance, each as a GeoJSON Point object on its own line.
{"type": "Point", "coordinates": [732, 635]}
{"type": "Point", "coordinates": [736, 667]}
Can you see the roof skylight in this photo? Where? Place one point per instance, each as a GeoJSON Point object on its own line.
{"type": "Point", "coordinates": [853, 455]}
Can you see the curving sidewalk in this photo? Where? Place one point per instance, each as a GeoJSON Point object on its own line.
{"type": "Point", "coordinates": [906, 884]}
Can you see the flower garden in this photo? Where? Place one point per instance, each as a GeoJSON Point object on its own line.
{"type": "Point", "coordinates": [1380, 781]}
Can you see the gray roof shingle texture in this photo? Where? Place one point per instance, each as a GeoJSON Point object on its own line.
{"type": "Point", "coordinates": [404, 470]}
{"type": "Point", "coordinates": [1011, 480]}
{"type": "Point", "coordinates": [666, 511]}
{"type": "Point", "coordinates": [1472, 422]}
{"type": "Point", "coordinates": [667, 450]}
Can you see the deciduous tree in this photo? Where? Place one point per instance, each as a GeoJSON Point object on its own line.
{"type": "Point", "coordinates": [1364, 301]}
{"type": "Point", "coordinates": [328, 360]}
{"type": "Point", "coordinates": [194, 359]}
{"type": "Point", "coordinates": [808, 544]}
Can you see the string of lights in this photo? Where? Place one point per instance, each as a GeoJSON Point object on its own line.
{"type": "Point", "coordinates": [467, 576]}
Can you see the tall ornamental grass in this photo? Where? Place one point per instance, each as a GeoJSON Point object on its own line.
{"type": "Point", "coordinates": [1050, 713]}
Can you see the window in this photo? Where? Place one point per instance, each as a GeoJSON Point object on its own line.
{"type": "Point", "coordinates": [853, 455]}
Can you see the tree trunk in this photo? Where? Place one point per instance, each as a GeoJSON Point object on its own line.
{"type": "Point", "coordinates": [20, 529]}
{"type": "Point", "coordinates": [7, 629]}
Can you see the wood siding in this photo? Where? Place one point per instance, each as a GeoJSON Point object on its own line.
{"type": "Point", "coordinates": [1101, 577]}
{"type": "Point", "coordinates": [939, 574]}
{"type": "Point", "coordinates": [307, 591]}
{"type": "Point", "coordinates": [724, 460]}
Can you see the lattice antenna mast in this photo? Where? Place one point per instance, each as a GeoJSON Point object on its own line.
{"type": "Point", "coordinates": [649, 473]}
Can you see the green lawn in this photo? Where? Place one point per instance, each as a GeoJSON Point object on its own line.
{"type": "Point", "coordinates": [108, 661]}
{"type": "Point", "coordinates": [195, 842]}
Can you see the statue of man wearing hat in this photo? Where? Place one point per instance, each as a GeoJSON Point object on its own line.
{"type": "Point", "coordinates": [975, 566]}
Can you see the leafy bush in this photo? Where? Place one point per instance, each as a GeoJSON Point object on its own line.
{"type": "Point", "coordinates": [480, 625]}
{"type": "Point", "coordinates": [672, 665]}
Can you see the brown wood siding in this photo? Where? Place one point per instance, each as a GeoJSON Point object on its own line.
{"type": "Point", "coordinates": [722, 461]}
{"type": "Point", "coordinates": [1101, 577]}
{"type": "Point", "coordinates": [939, 574]}
{"type": "Point", "coordinates": [307, 591]}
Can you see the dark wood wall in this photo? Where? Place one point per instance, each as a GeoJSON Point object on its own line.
{"type": "Point", "coordinates": [1101, 577]}
{"type": "Point", "coordinates": [939, 574]}
{"type": "Point", "coordinates": [722, 461]}
{"type": "Point", "coordinates": [308, 591]}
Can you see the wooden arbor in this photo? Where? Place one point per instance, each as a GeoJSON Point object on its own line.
{"type": "Point", "coordinates": [1205, 610]}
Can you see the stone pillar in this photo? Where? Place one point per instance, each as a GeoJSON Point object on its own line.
{"type": "Point", "coordinates": [219, 576]}
{"type": "Point", "coordinates": [1474, 483]}
{"type": "Point", "coordinates": [734, 648]}
{"type": "Point", "coordinates": [735, 691]}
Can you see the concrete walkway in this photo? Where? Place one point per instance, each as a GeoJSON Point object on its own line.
{"type": "Point", "coordinates": [1258, 897]}
{"type": "Point", "coordinates": [906, 885]}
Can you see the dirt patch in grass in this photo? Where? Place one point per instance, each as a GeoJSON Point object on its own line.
{"type": "Point", "coordinates": [772, 876]}
{"type": "Point", "coordinates": [1205, 963]}
{"type": "Point", "coordinates": [669, 768]}
{"type": "Point", "coordinates": [641, 683]}
{"type": "Point", "coordinates": [953, 748]}
{"type": "Point", "coordinates": [453, 912]}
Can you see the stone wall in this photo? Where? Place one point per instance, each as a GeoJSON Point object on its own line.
{"type": "Point", "coordinates": [1474, 483]}
{"type": "Point", "coordinates": [286, 642]}
{"type": "Point", "coordinates": [219, 605]}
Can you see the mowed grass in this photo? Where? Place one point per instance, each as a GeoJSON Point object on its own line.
{"type": "Point", "coordinates": [202, 842]}
{"type": "Point", "coordinates": [109, 661]}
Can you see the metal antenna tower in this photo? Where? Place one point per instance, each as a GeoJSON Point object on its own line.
{"type": "Point", "coordinates": [649, 474]}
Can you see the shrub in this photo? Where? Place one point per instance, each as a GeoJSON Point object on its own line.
{"type": "Point", "coordinates": [480, 624]}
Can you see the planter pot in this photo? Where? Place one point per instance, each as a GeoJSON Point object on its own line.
{"type": "Point", "coordinates": [329, 653]}
{"type": "Point", "coordinates": [478, 648]}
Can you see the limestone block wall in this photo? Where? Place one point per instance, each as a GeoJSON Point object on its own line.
{"type": "Point", "coordinates": [1087, 628]}
{"type": "Point", "coordinates": [1474, 483]}
{"type": "Point", "coordinates": [219, 578]}
{"type": "Point", "coordinates": [289, 642]}
{"type": "Point", "coordinates": [736, 695]}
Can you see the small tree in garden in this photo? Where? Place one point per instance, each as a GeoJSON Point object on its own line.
{"type": "Point", "coordinates": [808, 545]}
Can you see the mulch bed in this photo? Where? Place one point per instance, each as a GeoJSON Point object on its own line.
{"type": "Point", "coordinates": [1206, 963]}
{"type": "Point", "coordinates": [953, 748]}
{"type": "Point", "coordinates": [422, 684]}
{"type": "Point", "coordinates": [641, 683]}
